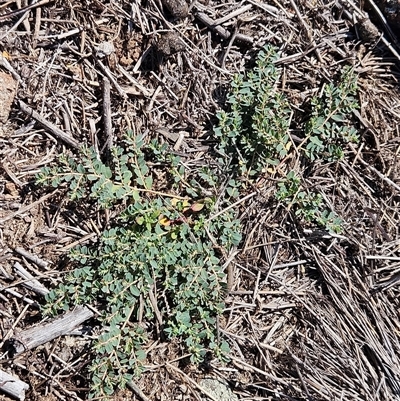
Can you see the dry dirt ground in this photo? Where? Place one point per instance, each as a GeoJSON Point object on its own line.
{"type": "Point", "coordinates": [310, 316]}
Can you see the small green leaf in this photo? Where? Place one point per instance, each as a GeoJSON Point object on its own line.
{"type": "Point", "coordinates": [134, 290]}
{"type": "Point", "coordinates": [148, 182]}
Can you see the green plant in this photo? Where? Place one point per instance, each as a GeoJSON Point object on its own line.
{"type": "Point", "coordinates": [308, 206]}
{"type": "Point", "coordinates": [289, 187]}
{"type": "Point", "coordinates": [329, 127]}
{"type": "Point", "coordinates": [254, 132]}
{"type": "Point", "coordinates": [160, 259]}
{"type": "Point", "coordinates": [126, 178]}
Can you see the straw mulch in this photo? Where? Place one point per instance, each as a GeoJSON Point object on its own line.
{"type": "Point", "coordinates": [311, 316]}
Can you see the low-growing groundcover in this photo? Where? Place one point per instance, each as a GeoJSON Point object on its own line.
{"type": "Point", "coordinates": [162, 257]}
{"type": "Point", "coordinates": [254, 133]}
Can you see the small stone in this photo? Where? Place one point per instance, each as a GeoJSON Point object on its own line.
{"type": "Point", "coordinates": [218, 389]}
{"type": "Point", "coordinates": [105, 49]}
{"type": "Point", "coordinates": [183, 388]}
{"type": "Point", "coordinates": [11, 189]}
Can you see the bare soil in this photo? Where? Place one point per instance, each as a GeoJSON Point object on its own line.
{"type": "Point", "coordinates": [311, 316]}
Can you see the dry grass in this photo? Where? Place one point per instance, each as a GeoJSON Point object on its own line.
{"type": "Point", "coordinates": [311, 316]}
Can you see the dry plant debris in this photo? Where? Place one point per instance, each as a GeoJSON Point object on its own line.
{"type": "Point", "coordinates": [7, 94]}
{"type": "Point", "coordinates": [310, 314]}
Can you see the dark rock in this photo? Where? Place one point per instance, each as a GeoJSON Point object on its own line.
{"type": "Point", "coordinates": [177, 8]}
{"type": "Point", "coordinates": [368, 31]}
{"type": "Point", "coordinates": [170, 43]}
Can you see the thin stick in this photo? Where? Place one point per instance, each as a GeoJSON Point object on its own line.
{"type": "Point", "coordinates": [137, 390]}
{"type": "Point", "coordinates": [32, 258]}
{"type": "Point", "coordinates": [362, 14]}
{"type": "Point", "coordinates": [16, 25]}
{"type": "Point", "coordinates": [262, 372]}
{"type": "Point", "coordinates": [38, 17]}
{"type": "Point", "coordinates": [7, 16]}
{"type": "Point", "coordinates": [233, 14]}
{"type": "Point", "coordinates": [30, 281]}
{"type": "Point", "coordinates": [41, 334]}
{"type": "Point", "coordinates": [75, 243]}
{"type": "Point", "coordinates": [229, 47]}
{"type": "Point", "coordinates": [12, 386]}
{"type": "Point", "coordinates": [153, 302]}
{"type": "Point", "coordinates": [48, 125]}
{"type": "Point", "coordinates": [230, 269]}
{"type": "Point", "coordinates": [26, 208]}
{"type": "Point", "coordinates": [231, 206]}
{"type": "Point", "coordinates": [380, 175]}
{"type": "Point", "coordinates": [5, 63]}
{"type": "Point", "coordinates": [16, 294]}
{"type": "Point", "coordinates": [383, 21]}
{"type": "Point", "coordinates": [380, 257]}
{"type": "Point", "coordinates": [107, 72]}
{"type": "Point", "coordinates": [11, 174]}
{"type": "Point", "coordinates": [269, 9]}
{"type": "Point", "coordinates": [107, 114]}
{"type": "Point", "coordinates": [192, 382]}
{"type": "Point", "coordinates": [307, 29]}
{"type": "Point", "coordinates": [224, 33]}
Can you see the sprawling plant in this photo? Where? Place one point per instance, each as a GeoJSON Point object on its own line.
{"type": "Point", "coordinates": [330, 128]}
{"type": "Point", "coordinates": [307, 205]}
{"type": "Point", "coordinates": [254, 132]}
{"type": "Point", "coordinates": [160, 259]}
